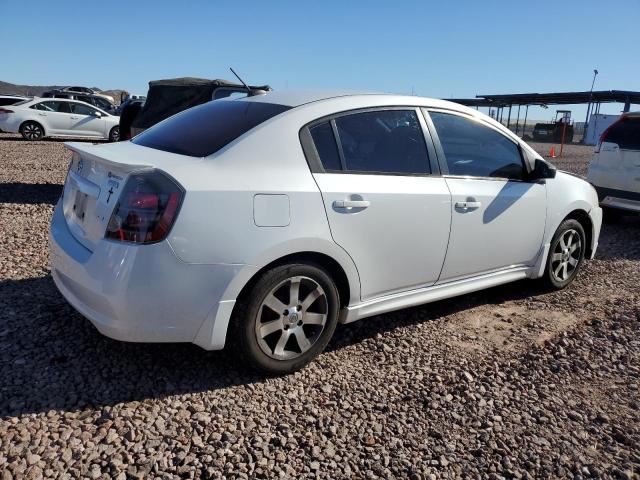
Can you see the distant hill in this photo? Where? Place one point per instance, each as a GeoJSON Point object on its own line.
{"type": "Point", "coordinates": [38, 90]}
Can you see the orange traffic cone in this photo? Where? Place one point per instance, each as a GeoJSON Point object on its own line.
{"type": "Point", "coordinates": [552, 152]}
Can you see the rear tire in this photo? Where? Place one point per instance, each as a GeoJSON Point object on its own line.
{"type": "Point", "coordinates": [114, 134]}
{"type": "Point", "coordinates": [32, 131]}
{"type": "Point", "coordinates": [565, 256]}
{"type": "Point", "coordinates": [286, 319]}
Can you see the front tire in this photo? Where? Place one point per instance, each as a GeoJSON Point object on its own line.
{"type": "Point", "coordinates": [114, 134]}
{"type": "Point", "coordinates": [566, 254]}
{"type": "Point", "coordinates": [286, 319]}
{"type": "Point", "coordinates": [31, 131]}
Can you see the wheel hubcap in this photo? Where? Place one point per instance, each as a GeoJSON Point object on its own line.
{"type": "Point", "coordinates": [291, 318]}
{"type": "Point", "coordinates": [566, 255]}
{"type": "Point", "coordinates": [32, 132]}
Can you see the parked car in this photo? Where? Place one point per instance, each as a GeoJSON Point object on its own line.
{"type": "Point", "coordinates": [42, 117]}
{"type": "Point", "coordinates": [614, 170]}
{"type": "Point", "coordinates": [90, 91]}
{"type": "Point", "coordinates": [128, 112]}
{"type": "Point", "coordinates": [264, 221]}
{"type": "Point", "coordinates": [95, 100]}
{"type": "Point", "coordinates": [168, 97]}
{"type": "Point", "coordinates": [11, 99]}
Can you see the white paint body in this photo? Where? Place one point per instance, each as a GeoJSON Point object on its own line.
{"type": "Point", "coordinates": [256, 201]}
{"type": "Point", "coordinates": [58, 124]}
{"type": "Point", "coordinates": [598, 123]}
{"type": "Point", "coordinates": [615, 173]}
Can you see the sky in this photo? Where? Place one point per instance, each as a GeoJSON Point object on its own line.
{"type": "Point", "coordinates": [446, 49]}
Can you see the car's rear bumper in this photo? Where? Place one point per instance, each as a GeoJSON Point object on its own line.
{"type": "Point", "coordinates": [138, 293]}
{"type": "Point", "coordinates": [9, 125]}
{"type": "Point", "coordinates": [620, 199]}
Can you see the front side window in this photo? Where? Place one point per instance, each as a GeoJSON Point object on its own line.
{"type": "Point", "coordinates": [473, 149]}
{"type": "Point", "coordinates": [203, 130]}
{"type": "Point", "coordinates": [102, 103]}
{"type": "Point", "coordinates": [81, 109]}
{"type": "Point", "coordinates": [386, 141]}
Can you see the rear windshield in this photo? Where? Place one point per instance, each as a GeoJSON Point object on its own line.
{"type": "Point", "coordinates": [625, 133]}
{"type": "Point", "coordinates": [205, 129]}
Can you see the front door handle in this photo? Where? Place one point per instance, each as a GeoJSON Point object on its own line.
{"type": "Point", "coordinates": [351, 203]}
{"type": "Point", "coordinates": [468, 205]}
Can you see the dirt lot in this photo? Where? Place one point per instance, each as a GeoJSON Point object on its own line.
{"type": "Point", "coordinates": [512, 382]}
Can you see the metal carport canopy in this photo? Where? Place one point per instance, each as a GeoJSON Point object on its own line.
{"type": "Point", "coordinates": [558, 98]}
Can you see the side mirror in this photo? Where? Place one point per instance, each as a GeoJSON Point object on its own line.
{"type": "Point", "coordinates": [96, 113]}
{"type": "Point", "coordinates": [542, 170]}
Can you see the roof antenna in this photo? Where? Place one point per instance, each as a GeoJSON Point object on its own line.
{"type": "Point", "coordinates": [241, 81]}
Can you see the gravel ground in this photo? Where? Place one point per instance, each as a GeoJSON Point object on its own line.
{"type": "Point", "coordinates": [511, 382]}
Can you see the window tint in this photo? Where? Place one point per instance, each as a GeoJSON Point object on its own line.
{"type": "Point", "coordinates": [389, 141]}
{"type": "Point", "coordinates": [625, 133]}
{"type": "Point", "coordinates": [325, 143]}
{"type": "Point", "coordinates": [8, 101]}
{"type": "Point", "coordinates": [205, 129]}
{"type": "Point", "coordinates": [62, 107]}
{"type": "Point", "coordinates": [473, 149]}
{"type": "Point", "coordinates": [80, 109]}
{"type": "Point", "coordinates": [102, 103]}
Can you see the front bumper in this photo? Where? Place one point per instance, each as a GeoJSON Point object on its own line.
{"type": "Point", "coordinates": [139, 293]}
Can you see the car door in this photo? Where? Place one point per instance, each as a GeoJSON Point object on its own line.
{"type": "Point", "coordinates": [86, 121]}
{"type": "Point", "coordinates": [620, 155]}
{"type": "Point", "coordinates": [386, 203]}
{"type": "Point", "coordinates": [498, 218]}
{"type": "Point", "coordinates": [55, 116]}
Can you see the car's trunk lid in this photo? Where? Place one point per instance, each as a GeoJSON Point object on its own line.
{"type": "Point", "coordinates": [97, 175]}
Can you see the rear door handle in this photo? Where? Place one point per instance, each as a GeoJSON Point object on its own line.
{"type": "Point", "coordinates": [468, 205]}
{"type": "Point", "coordinates": [351, 203]}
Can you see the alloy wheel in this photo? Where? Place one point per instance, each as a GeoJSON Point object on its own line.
{"type": "Point", "coordinates": [291, 318]}
{"type": "Point", "coordinates": [32, 132]}
{"type": "Point", "coordinates": [566, 255]}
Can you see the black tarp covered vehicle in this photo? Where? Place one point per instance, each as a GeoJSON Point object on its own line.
{"type": "Point", "coordinates": [168, 97]}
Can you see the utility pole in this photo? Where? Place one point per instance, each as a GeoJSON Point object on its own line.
{"type": "Point", "coordinates": [586, 120]}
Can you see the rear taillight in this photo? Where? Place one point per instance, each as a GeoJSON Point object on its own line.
{"type": "Point", "coordinates": [5, 110]}
{"type": "Point", "coordinates": [146, 209]}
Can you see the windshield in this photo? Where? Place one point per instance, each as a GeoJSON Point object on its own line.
{"type": "Point", "coordinates": [205, 129]}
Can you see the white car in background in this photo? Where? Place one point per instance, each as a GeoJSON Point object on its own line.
{"type": "Point", "coordinates": [614, 170]}
{"type": "Point", "coordinates": [262, 222]}
{"type": "Point", "coordinates": [37, 118]}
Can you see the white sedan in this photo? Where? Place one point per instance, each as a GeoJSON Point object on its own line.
{"type": "Point", "coordinates": [262, 222]}
{"type": "Point", "coordinates": [41, 117]}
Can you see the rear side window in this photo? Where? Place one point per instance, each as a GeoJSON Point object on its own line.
{"type": "Point", "coordinates": [9, 101]}
{"type": "Point", "coordinates": [386, 141]}
{"type": "Point", "coordinates": [625, 133]}
{"type": "Point", "coordinates": [61, 107]}
{"type": "Point", "coordinates": [383, 142]}
{"type": "Point", "coordinates": [473, 149]}
{"type": "Point", "coordinates": [205, 129]}
{"type": "Point", "coordinates": [325, 143]}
